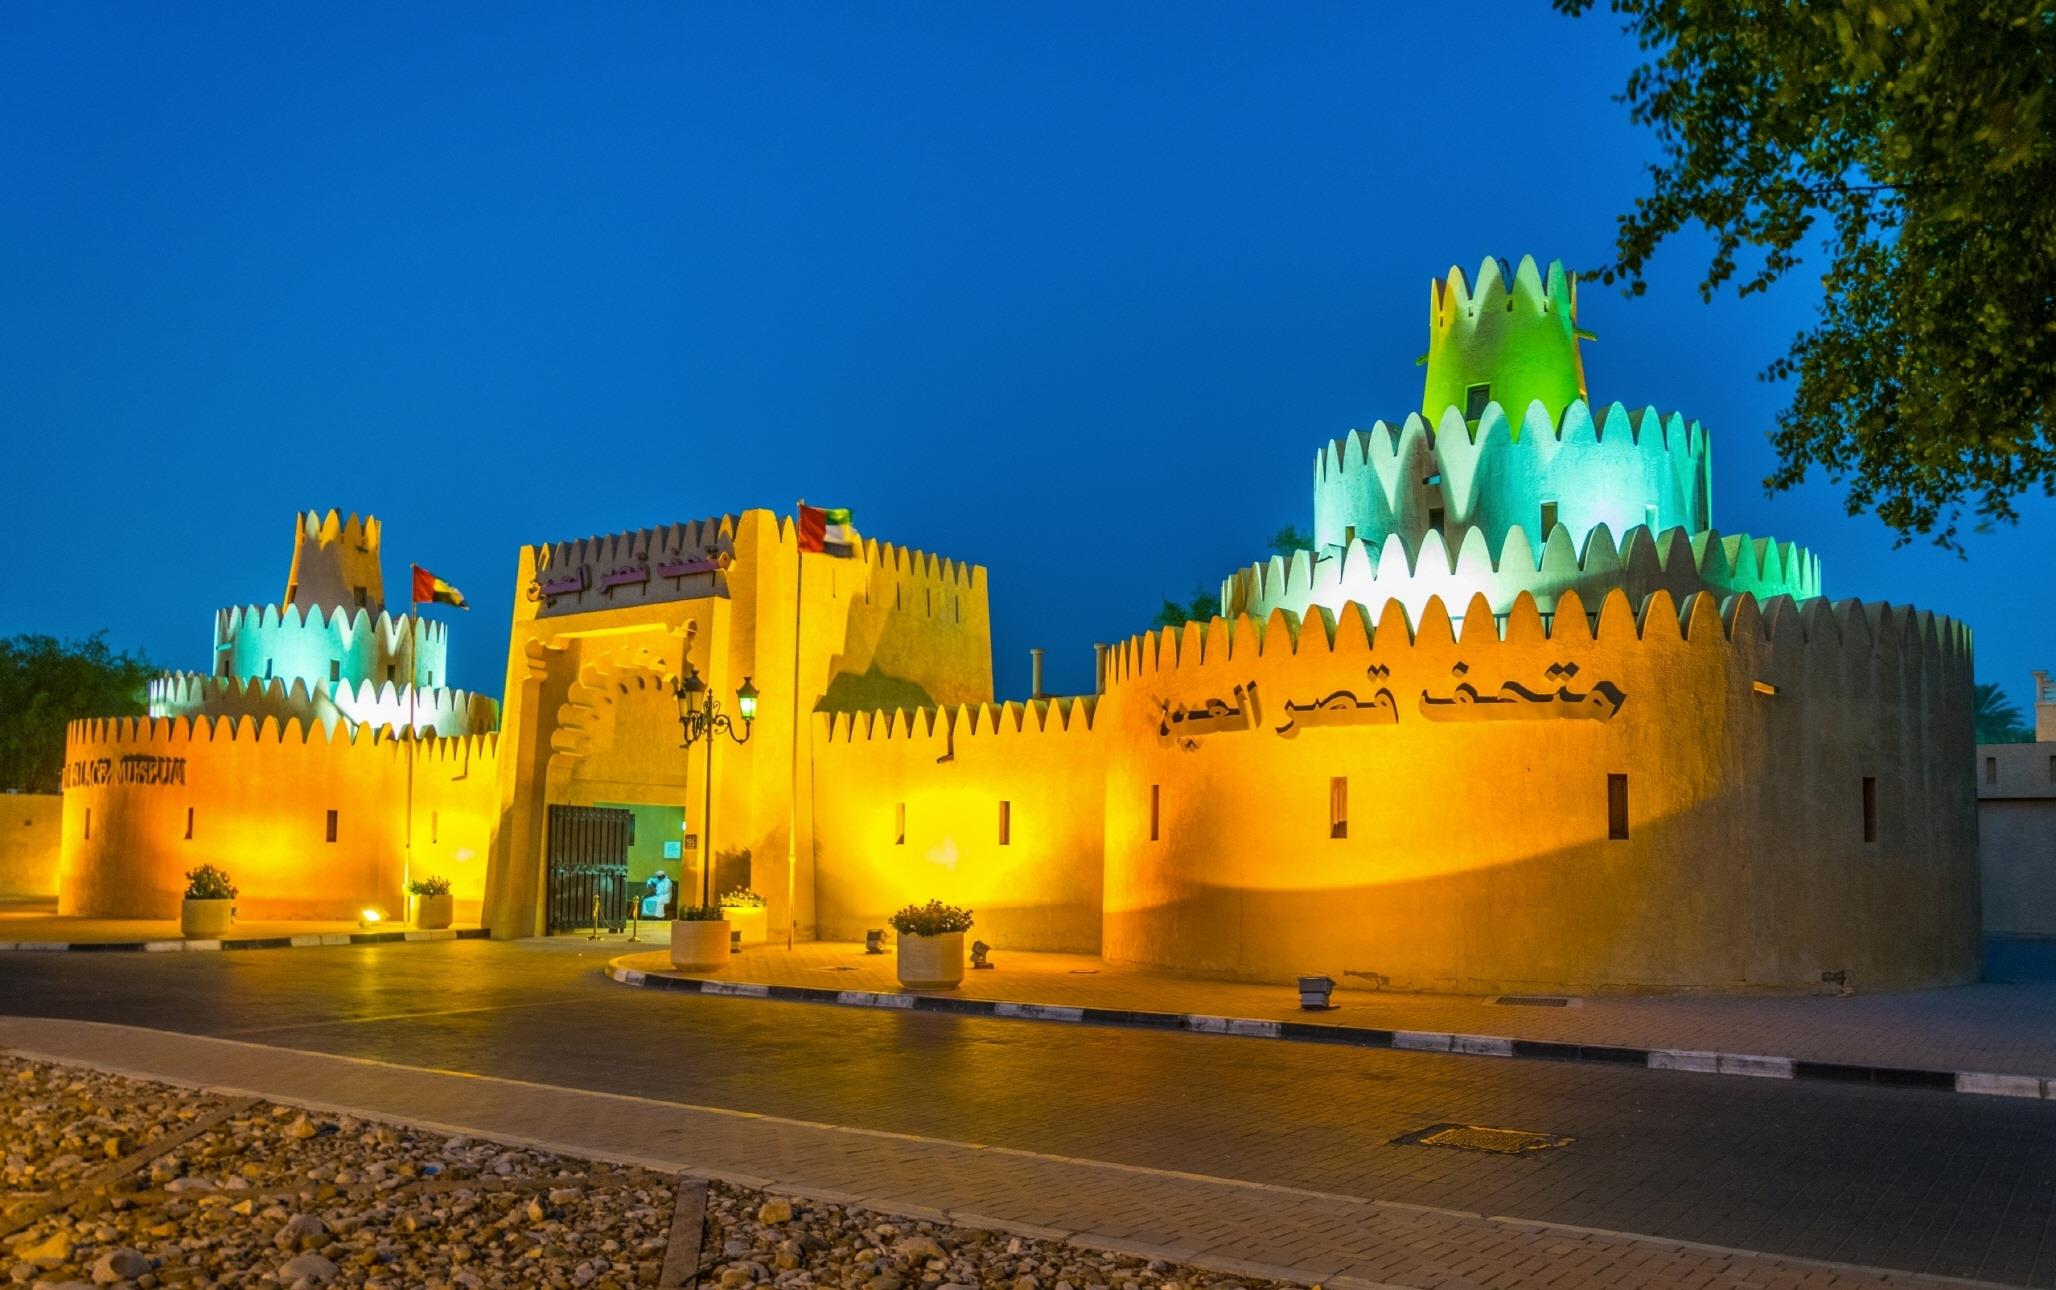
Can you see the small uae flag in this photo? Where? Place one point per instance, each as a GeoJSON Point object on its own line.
{"type": "Point", "coordinates": [827, 530]}
{"type": "Point", "coordinates": [431, 590]}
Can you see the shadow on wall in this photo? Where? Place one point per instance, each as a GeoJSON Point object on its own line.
{"type": "Point", "coordinates": [873, 691]}
{"type": "Point", "coordinates": [1647, 916]}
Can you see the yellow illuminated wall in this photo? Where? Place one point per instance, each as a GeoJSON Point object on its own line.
{"type": "Point", "coordinates": [1478, 855]}
{"type": "Point", "coordinates": [588, 715]}
{"type": "Point", "coordinates": [28, 843]}
{"type": "Point", "coordinates": [148, 799]}
{"type": "Point", "coordinates": [944, 776]}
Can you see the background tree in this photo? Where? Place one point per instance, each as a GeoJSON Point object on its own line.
{"type": "Point", "coordinates": [1998, 720]}
{"type": "Point", "coordinates": [45, 683]}
{"type": "Point", "coordinates": [1203, 607]}
{"type": "Point", "coordinates": [1205, 604]}
{"type": "Point", "coordinates": [1917, 140]}
{"type": "Point", "coordinates": [1290, 540]}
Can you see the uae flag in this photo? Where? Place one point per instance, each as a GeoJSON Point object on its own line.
{"type": "Point", "coordinates": [431, 590]}
{"type": "Point", "coordinates": [827, 530]}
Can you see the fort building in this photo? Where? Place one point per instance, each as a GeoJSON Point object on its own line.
{"type": "Point", "coordinates": [1520, 719]}
{"type": "Point", "coordinates": [291, 761]}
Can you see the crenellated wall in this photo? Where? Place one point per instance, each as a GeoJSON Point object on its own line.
{"type": "Point", "coordinates": [148, 799]}
{"type": "Point", "coordinates": [908, 806]}
{"type": "Point", "coordinates": [434, 712]}
{"type": "Point", "coordinates": [1476, 852]}
{"type": "Point", "coordinates": [336, 563]}
{"type": "Point", "coordinates": [1623, 469]}
{"type": "Point", "coordinates": [291, 643]}
{"type": "Point", "coordinates": [1519, 336]}
{"type": "Point", "coordinates": [1671, 561]}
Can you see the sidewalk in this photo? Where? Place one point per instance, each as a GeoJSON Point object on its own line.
{"type": "Point", "coordinates": [1284, 1233]}
{"type": "Point", "coordinates": [2004, 1026]}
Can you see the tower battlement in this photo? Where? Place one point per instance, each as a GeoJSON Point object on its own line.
{"type": "Point", "coordinates": [1673, 560]}
{"type": "Point", "coordinates": [1517, 339]}
{"type": "Point", "coordinates": [335, 563]}
{"type": "Point", "coordinates": [1618, 467]}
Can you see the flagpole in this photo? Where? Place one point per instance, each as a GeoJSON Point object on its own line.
{"type": "Point", "coordinates": [413, 649]}
{"type": "Point", "coordinates": [792, 795]}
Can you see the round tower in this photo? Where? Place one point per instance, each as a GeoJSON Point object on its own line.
{"type": "Point", "coordinates": [335, 564]}
{"type": "Point", "coordinates": [329, 651]}
{"type": "Point", "coordinates": [1513, 344]}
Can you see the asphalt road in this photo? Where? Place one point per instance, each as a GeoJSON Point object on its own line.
{"type": "Point", "coordinates": [1933, 1182]}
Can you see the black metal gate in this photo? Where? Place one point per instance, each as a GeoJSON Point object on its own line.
{"type": "Point", "coordinates": [588, 868]}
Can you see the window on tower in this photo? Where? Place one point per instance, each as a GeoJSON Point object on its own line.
{"type": "Point", "coordinates": [1475, 397]}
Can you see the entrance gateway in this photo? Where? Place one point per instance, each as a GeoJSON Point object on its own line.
{"type": "Point", "coordinates": [587, 881]}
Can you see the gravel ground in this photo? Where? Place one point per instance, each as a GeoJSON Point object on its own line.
{"type": "Point", "coordinates": [753, 1238]}
{"type": "Point", "coordinates": [268, 1195]}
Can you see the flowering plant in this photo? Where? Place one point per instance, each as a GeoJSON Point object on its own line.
{"type": "Point", "coordinates": [209, 883]}
{"type": "Point", "coordinates": [700, 914]}
{"type": "Point", "coordinates": [931, 919]}
{"type": "Point", "coordinates": [742, 897]}
{"type": "Point", "coordinates": [433, 885]}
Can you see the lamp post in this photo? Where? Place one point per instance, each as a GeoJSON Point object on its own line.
{"type": "Point", "coordinates": [700, 717]}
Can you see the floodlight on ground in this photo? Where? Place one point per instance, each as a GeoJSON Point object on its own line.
{"type": "Point", "coordinates": [979, 949]}
{"type": "Point", "coordinates": [1314, 992]}
{"type": "Point", "coordinates": [874, 941]}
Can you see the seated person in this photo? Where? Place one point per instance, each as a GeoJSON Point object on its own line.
{"type": "Point", "coordinates": [656, 901]}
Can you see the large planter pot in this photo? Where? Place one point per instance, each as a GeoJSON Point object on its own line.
{"type": "Point", "coordinates": [932, 962]}
{"type": "Point", "coordinates": [753, 921]}
{"type": "Point", "coordinates": [433, 913]}
{"type": "Point", "coordinates": [205, 920]}
{"type": "Point", "coordinates": [699, 947]}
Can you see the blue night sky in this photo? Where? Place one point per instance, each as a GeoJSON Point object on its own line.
{"type": "Point", "coordinates": [1074, 292]}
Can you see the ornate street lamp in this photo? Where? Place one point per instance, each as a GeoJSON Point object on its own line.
{"type": "Point", "coordinates": [700, 717]}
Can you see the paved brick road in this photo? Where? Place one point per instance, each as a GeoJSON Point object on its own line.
{"type": "Point", "coordinates": [1931, 1182]}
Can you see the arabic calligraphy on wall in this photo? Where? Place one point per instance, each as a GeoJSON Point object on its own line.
{"type": "Point", "coordinates": [1512, 701]}
{"type": "Point", "coordinates": [549, 587]}
{"type": "Point", "coordinates": [1185, 727]}
{"type": "Point", "coordinates": [136, 768]}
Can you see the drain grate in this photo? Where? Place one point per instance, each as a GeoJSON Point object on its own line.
{"type": "Point", "coordinates": [1476, 1137]}
{"type": "Point", "coordinates": [1534, 1000]}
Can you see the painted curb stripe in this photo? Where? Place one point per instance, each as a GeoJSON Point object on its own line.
{"type": "Point", "coordinates": [304, 940]}
{"type": "Point", "coordinates": [1748, 1065]}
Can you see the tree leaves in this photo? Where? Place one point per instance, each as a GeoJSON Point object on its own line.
{"type": "Point", "coordinates": [1918, 139]}
{"type": "Point", "coordinates": [46, 684]}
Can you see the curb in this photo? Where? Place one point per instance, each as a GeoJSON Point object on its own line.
{"type": "Point", "coordinates": [1750, 1065]}
{"type": "Point", "coordinates": [308, 941]}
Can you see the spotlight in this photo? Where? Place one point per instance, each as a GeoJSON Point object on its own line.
{"type": "Point", "coordinates": [1314, 992]}
{"type": "Point", "coordinates": [370, 916]}
{"type": "Point", "coordinates": [874, 941]}
{"type": "Point", "coordinates": [979, 949]}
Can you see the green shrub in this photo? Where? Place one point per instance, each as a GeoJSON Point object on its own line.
{"type": "Point", "coordinates": [700, 914]}
{"type": "Point", "coordinates": [931, 919]}
{"type": "Point", "coordinates": [742, 897]}
{"type": "Point", "coordinates": [433, 885]}
{"type": "Point", "coordinates": [209, 883]}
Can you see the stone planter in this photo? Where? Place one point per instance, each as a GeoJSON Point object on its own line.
{"type": "Point", "coordinates": [433, 913]}
{"type": "Point", "coordinates": [753, 921]}
{"type": "Point", "coordinates": [205, 920]}
{"type": "Point", "coordinates": [932, 962]}
{"type": "Point", "coordinates": [699, 947]}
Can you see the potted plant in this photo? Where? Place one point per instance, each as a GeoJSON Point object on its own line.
{"type": "Point", "coordinates": [745, 910]}
{"type": "Point", "coordinates": [699, 939]}
{"type": "Point", "coordinates": [435, 908]}
{"type": "Point", "coordinates": [210, 904]}
{"type": "Point", "coordinates": [931, 945]}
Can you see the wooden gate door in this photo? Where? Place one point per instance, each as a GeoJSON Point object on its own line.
{"type": "Point", "coordinates": [588, 869]}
